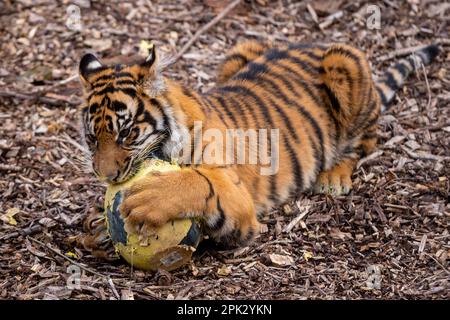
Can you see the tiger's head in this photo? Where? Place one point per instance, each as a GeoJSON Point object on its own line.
{"type": "Point", "coordinates": [126, 117]}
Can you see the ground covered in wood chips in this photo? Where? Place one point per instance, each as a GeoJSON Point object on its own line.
{"type": "Point", "coordinates": [388, 239]}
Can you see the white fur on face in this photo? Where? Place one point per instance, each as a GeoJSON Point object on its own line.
{"type": "Point", "coordinates": [94, 65]}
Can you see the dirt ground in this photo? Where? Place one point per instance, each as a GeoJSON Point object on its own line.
{"type": "Point", "coordinates": [388, 239]}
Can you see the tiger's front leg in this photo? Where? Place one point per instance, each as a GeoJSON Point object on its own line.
{"type": "Point", "coordinates": [216, 195]}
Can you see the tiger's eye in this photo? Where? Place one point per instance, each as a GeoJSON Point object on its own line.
{"type": "Point", "coordinates": [124, 133]}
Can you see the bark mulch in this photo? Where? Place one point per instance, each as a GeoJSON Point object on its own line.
{"type": "Point", "coordinates": [388, 239]}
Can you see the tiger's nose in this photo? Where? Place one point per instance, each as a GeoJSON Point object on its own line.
{"type": "Point", "coordinates": [113, 176]}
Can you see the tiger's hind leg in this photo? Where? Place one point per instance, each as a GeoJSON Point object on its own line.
{"type": "Point", "coordinates": [337, 180]}
{"type": "Point", "coordinates": [238, 57]}
{"type": "Point", "coordinates": [349, 90]}
{"type": "Point", "coordinates": [96, 238]}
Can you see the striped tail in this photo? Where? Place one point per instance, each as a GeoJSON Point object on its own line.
{"type": "Point", "coordinates": [395, 76]}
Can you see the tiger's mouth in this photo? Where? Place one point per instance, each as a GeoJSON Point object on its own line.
{"type": "Point", "coordinates": [156, 153]}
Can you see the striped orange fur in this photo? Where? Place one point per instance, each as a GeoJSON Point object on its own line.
{"type": "Point", "coordinates": [321, 98]}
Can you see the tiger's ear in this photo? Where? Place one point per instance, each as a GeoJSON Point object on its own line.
{"type": "Point", "coordinates": [89, 65]}
{"type": "Point", "coordinates": [149, 74]}
{"type": "Point", "coordinates": [148, 67]}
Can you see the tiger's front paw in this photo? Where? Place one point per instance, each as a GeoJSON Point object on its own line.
{"type": "Point", "coordinates": [148, 205]}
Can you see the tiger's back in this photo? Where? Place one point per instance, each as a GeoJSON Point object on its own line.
{"type": "Point", "coordinates": [312, 94]}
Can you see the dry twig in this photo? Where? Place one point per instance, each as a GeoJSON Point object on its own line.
{"type": "Point", "coordinates": [38, 97]}
{"type": "Point", "coordinates": [330, 19]}
{"type": "Point", "coordinates": [400, 52]}
{"type": "Point", "coordinates": [207, 26]}
{"type": "Point", "coordinates": [108, 278]}
{"type": "Point", "coordinates": [428, 85]}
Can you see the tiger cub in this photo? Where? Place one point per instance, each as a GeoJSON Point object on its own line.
{"type": "Point", "coordinates": [321, 99]}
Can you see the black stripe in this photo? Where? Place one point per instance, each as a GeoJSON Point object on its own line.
{"type": "Point", "coordinates": [109, 121]}
{"type": "Point", "coordinates": [292, 131]}
{"type": "Point", "coordinates": [403, 69]}
{"type": "Point", "coordinates": [307, 115]}
{"type": "Point", "coordinates": [300, 80]}
{"type": "Point", "coordinates": [248, 237]}
{"type": "Point", "coordinates": [333, 99]}
{"type": "Point", "coordinates": [362, 127]}
{"type": "Point", "coordinates": [117, 106]}
{"type": "Point", "coordinates": [343, 52]}
{"type": "Point", "coordinates": [227, 110]}
{"type": "Point", "coordinates": [350, 82]}
{"type": "Point", "coordinates": [166, 121]}
{"type": "Point", "coordinates": [101, 84]}
{"type": "Point", "coordinates": [370, 123]}
{"type": "Point", "coordinates": [211, 188]}
{"type": "Point", "coordinates": [372, 102]}
{"type": "Point", "coordinates": [286, 82]}
{"type": "Point", "coordinates": [144, 138]}
{"type": "Point", "coordinates": [248, 106]}
{"type": "Point", "coordinates": [306, 49]}
{"type": "Point", "coordinates": [390, 81]}
{"type": "Point", "coordinates": [355, 58]}
{"type": "Point", "coordinates": [128, 91]}
{"type": "Point", "coordinates": [110, 83]}
{"type": "Point", "coordinates": [93, 108]}
{"type": "Point", "coordinates": [299, 108]}
{"type": "Point", "coordinates": [362, 117]}
{"type": "Point", "coordinates": [263, 107]}
{"type": "Point", "coordinates": [148, 118]}
{"type": "Point", "coordinates": [236, 57]}
{"type": "Point", "coordinates": [187, 92]}
{"type": "Point", "coordinates": [361, 122]}
{"type": "Point", "coordinates": [369, 136]}
{"type": "Point", "coordinates": [383, 98]}
{"type": "Point", "coordinates": [125, 81]}
{"type": "Point", "coordinates": [221, 220]}
{"type": "Point", "coordinates": [214, 108]}
{"type": "Point", "coordinates": [114, 76]}
{"type": "Point", "coordinates": [251, 72]}
{"type": "Point", "coordinates": [276, 54]}
{"type": "Point", "coordinates": [313, 56]}
{"type": "Point", "coordinates": [242, 90]}
{"type": "Point", "coordinates": [237, 106]}
{"type": "Point", "coordinates": [296, 168]}
{"type": "Point", "coordinates": [275, 90]}
{"type": "Point", "coordinates": [305, 66]}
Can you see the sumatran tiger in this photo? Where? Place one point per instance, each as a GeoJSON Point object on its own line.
{"type": "Point", "coordinates": [322, 99]}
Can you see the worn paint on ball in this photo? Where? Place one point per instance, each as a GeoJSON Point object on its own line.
{"type": "Point", "coordinates": [169, 247]}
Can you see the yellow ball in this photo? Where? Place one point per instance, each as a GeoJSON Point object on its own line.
{"type": "Point", "coordinates": [169, 247]}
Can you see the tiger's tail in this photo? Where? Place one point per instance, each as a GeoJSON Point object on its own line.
{"type": "Point", "coordinates": [395, 76]}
